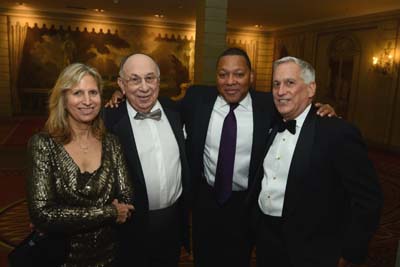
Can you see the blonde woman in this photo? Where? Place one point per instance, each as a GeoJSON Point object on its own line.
{"type": "Point", "coordinates": [77, 181]}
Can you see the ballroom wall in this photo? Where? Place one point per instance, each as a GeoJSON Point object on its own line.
{"type": "Point", "coordinates": [59, 39]}
{"type": "Point", "coordinates": [359, 92]}
{"type": "Point", "coordinates": [37, 46]}
{"type": "Point", "coordinates": [369, 99]}
{"type": "Point", "coordinates": [5, 96]}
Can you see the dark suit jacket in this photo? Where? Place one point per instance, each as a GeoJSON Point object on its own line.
{"type": "Point", "coordinates": [333, 200]}
{"type": "Point", "coordinates": [117, 121]}
{"type": "Point", "coordinates": [196, 109]}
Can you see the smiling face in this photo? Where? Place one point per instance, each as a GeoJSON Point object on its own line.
{"type": "Point", "coordinates": [291, 94]}
{"type": "Point", "coordinates": [234, 78]}
{"type": "Point", "coordinates": [140, 82]}
{"type": "Point", "coordinates": [83, 101]}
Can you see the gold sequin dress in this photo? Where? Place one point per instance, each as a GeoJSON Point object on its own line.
{"type": "Point", "coordinates": [61, 199]}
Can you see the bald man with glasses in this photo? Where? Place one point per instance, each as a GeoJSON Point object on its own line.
{"type": "Point", "coordinates": [152, 139]}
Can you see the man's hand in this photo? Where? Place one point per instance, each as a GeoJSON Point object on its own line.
{"type": "Point", "coordinates": [124, 211]}
{"type": "Point", "coordinates": [116, 98]}
{"type": "Point", "coordinates": [33, 228]}
{"type": "Point", "coordinates": [343, 263]}
{"type": "Point", "coordinates": [325, 110]}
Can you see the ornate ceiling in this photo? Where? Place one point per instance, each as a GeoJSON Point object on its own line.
{"type": "Point", "coordinates": [270, 14]}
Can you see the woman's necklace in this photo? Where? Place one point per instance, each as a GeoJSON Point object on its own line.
{"type": "Point", "coordinates": [83, 147]}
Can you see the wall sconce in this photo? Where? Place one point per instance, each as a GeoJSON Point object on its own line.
{"type": "Point", "coordinates": [383, 64]}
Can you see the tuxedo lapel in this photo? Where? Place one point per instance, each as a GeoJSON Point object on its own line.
{"type": "Point", "coordinates": [261, 124]}
{"type": "Point", "coordinates": [270, 139]}
{"type": "Point", "coordinates": [299, 166]}
{"type": "Point", "coordinates": [124, 130]}
{"type": "Point", "coordinates": [174, 121]}
{"type": "Point", "coordinates": [204, 113]}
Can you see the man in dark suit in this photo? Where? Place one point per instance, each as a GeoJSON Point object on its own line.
{"type": "Point", "coordinates": [316, 199]}
{"type": "Point", "coordinates": [151, 135]}
{"type": "Point", "coordinates": [220, 233]}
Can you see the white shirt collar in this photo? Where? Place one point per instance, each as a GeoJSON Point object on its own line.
{"type": "Point", "coordinates": [245, 103]}
{"type": "Point", "coordinates": [302, 117]}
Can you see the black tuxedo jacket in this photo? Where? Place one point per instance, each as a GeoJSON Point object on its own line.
{"type": "Point", "coordinates": [117, 121]}
{"type": "Point", "coordinates": [333, 200]}
{"type": "Point", "coordinates": [196, 108]}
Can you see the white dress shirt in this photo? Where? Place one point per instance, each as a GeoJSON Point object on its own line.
{"type": "Point", "coordinates": [244, 141]}
{"type": "Point", "coordinates": [276, 169]}
{"type": "Point", "coordinates": [159, 156]}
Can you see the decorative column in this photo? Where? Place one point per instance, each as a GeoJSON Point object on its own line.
{"type": "Point", "coordinates": [211, 21]}
{"type": "Point", "coordinates": [5, 92]}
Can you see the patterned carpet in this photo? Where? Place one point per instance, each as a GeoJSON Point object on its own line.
{"type": "Point", "coordinates": [14, 218]}
{"type": "Point", "coordinates": [13, 213]}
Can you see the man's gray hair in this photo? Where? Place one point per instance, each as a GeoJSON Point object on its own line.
{"type": "Point", "coordinates": [124, 59]}
{"type": "Point", "coordinates": [307, 71]}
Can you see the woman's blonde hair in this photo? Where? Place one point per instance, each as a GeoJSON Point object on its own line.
{"type": "Point", "coordinates": [57, 124]}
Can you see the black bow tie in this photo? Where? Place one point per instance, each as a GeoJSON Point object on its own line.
{"type": "Point", "coordinates": [155, 115]}
{"type": "Point", "coordinates": [287, 125]}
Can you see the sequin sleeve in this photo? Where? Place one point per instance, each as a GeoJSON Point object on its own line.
{"type": "Point", "coordinates": [54, 211]}
{"type": "Point", "coordinates": [124, 189]}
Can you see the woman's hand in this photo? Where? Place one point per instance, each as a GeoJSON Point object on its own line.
{"type": "Point", "coordinates": [115, 99]}
{"type": "Point", "coordinates": [124, 211]}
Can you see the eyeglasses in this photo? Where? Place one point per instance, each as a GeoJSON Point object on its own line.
{"type": "Point", "coordinates": [136, 80]}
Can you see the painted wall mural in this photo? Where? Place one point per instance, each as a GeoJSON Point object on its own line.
{"type": "Point", "coordinates": [47, 50]}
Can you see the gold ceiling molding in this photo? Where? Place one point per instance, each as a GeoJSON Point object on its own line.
{"type": "Point", "coordinates": [165, 34]}
{"type": "Point", "coordinates": [368, 21]}
{"type": "Point", "coordinates": [239, 42]}
{"type": "Point", "coordinates": [173, 37]}
{"type": "Point", "coordinates": [246, 39]}
{"type": "Point", "coordinates": [65, 25]}
{"type": "Point", "coordinates": [95, 22]}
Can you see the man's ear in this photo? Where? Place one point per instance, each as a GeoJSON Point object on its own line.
{"type": "Point", "coordinates": [311, 88]}
{"type": "Point", "coordinates": [121, 85]}
{"type": "Point", "coordinates": [252, 77]}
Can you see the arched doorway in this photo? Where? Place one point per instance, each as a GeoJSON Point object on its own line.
{"type": "Point", "coordinates": [344, 56]}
